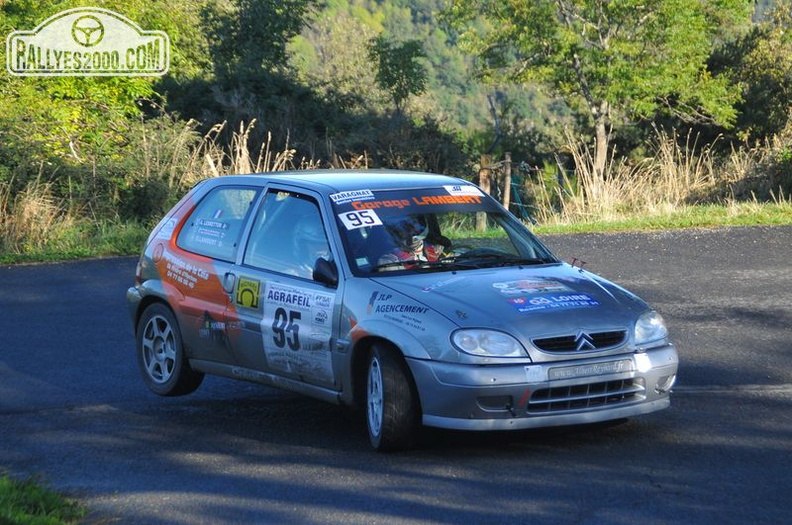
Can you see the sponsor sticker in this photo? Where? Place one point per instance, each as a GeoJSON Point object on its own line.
{"type": "Point", "coordinates": [535, 374]}
{"type": "Point", "coordinates": [296, 327]}
{"type": "Point", "coordinates": [530, 286]}
{"type": "Point", "coordinates": [387, 203]}
{"type": "Point", "coordinates": [184, 272]}
{"type": "Point", "coordinates": [248, 292]}
{"type": "Point", "coordinates": [440, 284]}
{"type": "Point", "coordinates": [446, 199]}
{"type": "Point", "coordinates": [347, 196]}
{"type": "Point", "coordinates": [211, 329]}
{"type": "Point", "coordinates": [410, 315]}
{"type": "Point", "coordinates": [423, 200]}
{"type": "Point", "coordinates": [552, 302]}
{"type": "Point", "coordinates": [166, 232]}
{"type": "Point", "coordinates": [463, 189]}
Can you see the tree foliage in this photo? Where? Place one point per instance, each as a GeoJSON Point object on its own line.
{"type": "Point", "coordinates": [249, 37]}
{"type": "Point", "coordinates": [332, 56]}
{"type": "Point", "coordinates": [64, 116]}
{"type": "Point", "coordinates": [760, 64]}
{"type": "Point", "coordinates": [321, 76]}
{"type": "Point", "coordinates": [399, 70]}
{"type": "Point", "coordinates": [610, 61]}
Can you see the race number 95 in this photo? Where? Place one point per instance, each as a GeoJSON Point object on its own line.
{"type": "Point", "coordinates": [359, 219]}
{"type": "Point", "coordinates": [286, 329]}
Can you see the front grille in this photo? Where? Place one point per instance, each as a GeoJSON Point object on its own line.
{"type": "Point", "coordinates": [572, 343]}
{"type": "Point", "coordinates": [590, 395]}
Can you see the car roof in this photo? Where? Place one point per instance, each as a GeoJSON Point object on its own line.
{"type": "Point", "coordinates": [336, 180]}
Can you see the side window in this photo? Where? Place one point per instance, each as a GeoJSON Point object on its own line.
{"type": "Point", "coordinates": [288, 235]}
{"type": "Point", "coordinates": [215, 225]}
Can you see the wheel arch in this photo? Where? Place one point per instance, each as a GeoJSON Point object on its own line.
{"type": "Point", "coordinates": [147, 301]}
{"type": "Point", "coordinates": [156, 291]}
{"type": "Point", "coordinates": [166, 351]}
{"type": "Point", "coordinates": [361, 354]}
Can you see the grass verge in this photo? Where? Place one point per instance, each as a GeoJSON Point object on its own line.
{"type": "Point", "coordinates": [81, 241]}
{"type": "Point", "coordinates": [28, 502]}
{"type": "Point", "coordinates": [119, 239]}
{"type": "Point", "coordinates": [699, 216]}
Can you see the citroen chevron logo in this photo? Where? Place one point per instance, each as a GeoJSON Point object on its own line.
{"type": "Point", "coordinates": [584, 341]}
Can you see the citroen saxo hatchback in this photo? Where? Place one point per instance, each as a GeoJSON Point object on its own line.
{"type": "Point", "coordinates": [415, 295]}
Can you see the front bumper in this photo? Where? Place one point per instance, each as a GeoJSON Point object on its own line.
{"type": "Point", "coordinates": [506, 397]}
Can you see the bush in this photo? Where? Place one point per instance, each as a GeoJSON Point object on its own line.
{"type": "Point", "coordinates": [27, 502]}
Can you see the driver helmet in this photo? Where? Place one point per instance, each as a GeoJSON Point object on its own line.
{"type": "Point", "coordinates": [310, 241]}
{"type": "Point", "coordinates": [410, 232]}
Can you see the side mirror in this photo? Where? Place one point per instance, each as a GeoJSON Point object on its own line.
{"type": "Point", "coordinates": [325, 272]}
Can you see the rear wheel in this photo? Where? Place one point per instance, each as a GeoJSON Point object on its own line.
{"type": "Point", "coordinates": [392, 407]}
{"type": "Point", "coordinates": [160, 353]}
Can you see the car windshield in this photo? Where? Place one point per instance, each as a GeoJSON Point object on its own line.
{"type": "Point", "coordinates": [431, 229]}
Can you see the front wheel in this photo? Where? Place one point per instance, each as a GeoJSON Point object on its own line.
{"type": "Point", "coordinates": [160, 353]}
{"type": "Point", "coordinates": [392, 407]}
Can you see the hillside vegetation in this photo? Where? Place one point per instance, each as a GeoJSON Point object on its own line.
{"type": "Point", "coordinates": [608, 111]}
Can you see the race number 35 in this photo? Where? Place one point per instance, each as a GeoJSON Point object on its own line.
{"type": "Point", "coordinates": [358, 219]}
{"type": "Point", "coordinates": [285, 329]}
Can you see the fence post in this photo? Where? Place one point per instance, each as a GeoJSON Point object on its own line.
{"type": "Point", "coordinates": [506, 179]}
{"type": "Point", "coordinates": [485, 178]}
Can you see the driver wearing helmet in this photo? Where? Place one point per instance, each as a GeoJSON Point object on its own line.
{"type": "Point", "coordinates": [409, 234]}
{"type": "Point", "coordinates": [309, 244]}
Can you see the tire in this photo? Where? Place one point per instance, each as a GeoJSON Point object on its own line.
{"type": "Point", "coordinates": [160, 352]}
{"type": "Point", "coordinates": [392, 406]}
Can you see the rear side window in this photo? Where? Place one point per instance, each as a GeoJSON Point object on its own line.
{"type": "Point", "coordinates": [215, 226]}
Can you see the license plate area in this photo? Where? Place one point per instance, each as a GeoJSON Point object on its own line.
{"type": "Point", "coordinates": [590, 370]}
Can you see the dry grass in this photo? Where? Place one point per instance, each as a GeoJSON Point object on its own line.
{"type": "Point", "coordinates": [677, 174]}
{"type": "Point", "coordinates": [211, 159]}
{"type": "Point", "coordinates": [183, 160]}
{"type": "Point", "coordinates": [31, 218]}
{"type": "Point", "coordinates": [169, 159]}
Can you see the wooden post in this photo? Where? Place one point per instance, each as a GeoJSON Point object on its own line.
{"type": "Point", "coordinates": [485, 179]}
{"type": "Point", "coordinates": [485, 173]}
{"type": "Point", "coordinates": [506, 179]}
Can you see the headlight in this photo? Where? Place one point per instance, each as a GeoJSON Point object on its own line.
{"type": "Point", "coordinates": [488, 343]}
{"type": "Point", "coordinates": [650, 328]}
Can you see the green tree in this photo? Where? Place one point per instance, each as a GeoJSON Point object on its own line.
{"type": "Point", "coordinates": [611, 61]}
{"type": "Point", "coordinates": [68, 117]}
{"type": "Point", "coordinates": [248, 38]}
{"type": "Point", "coordinates": [82, 135]}
{"type": "Point", "coordinates": [760, 63]}
{"type": "Point", "coordinates": [399, 70]}
{"type": "Point", "coordinates": [332, 56]}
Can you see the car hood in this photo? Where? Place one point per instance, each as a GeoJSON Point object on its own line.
{"type": "Point", "coordinates": [541, 301]}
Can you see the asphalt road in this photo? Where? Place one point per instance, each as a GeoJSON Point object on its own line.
{"type": "Point", "coordinates": [73, 410]}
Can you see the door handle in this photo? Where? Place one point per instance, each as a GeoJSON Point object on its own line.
{"type": "Point", "coordinates": [229, 280]}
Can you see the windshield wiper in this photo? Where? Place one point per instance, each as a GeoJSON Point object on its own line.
{"type": "Point", "coordinates": [442, 264]}
{"type": "Point", "coordinates": [383, 266]}
{"type": "Point", "coordinates": [484, 260]}
{"type": "Point", "coordinates": [528, 261]}
{"type": "Point", "coordinates": [466, 261]}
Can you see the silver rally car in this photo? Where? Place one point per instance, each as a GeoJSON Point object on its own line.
{"type": "Point", "coordinates": [415, 295]}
